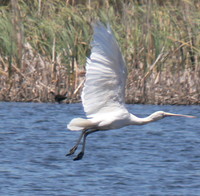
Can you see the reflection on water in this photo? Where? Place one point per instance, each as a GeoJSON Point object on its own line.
{"type": "Point", "coordinates": [161, 158]}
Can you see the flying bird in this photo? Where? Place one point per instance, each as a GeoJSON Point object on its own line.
{"type": "Point", "coordinates": [103, 95]}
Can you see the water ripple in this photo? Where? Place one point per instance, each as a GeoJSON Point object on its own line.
{"type": "Point", "coordinates": [161, 158]}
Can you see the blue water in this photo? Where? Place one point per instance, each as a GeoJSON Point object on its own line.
{"type": "Point", "coordinates": [161, 158]}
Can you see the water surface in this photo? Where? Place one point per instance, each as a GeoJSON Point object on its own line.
{"type": "Point", "coordinates": [161, 158]}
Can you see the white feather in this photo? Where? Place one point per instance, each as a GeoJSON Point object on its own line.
{"type": "Point", "coordinates": [106, 75]}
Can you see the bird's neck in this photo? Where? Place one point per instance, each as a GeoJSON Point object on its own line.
{"type": "Point", "coordinates": [142, 121]}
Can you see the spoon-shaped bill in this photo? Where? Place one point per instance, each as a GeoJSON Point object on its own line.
{"type": "Point", "coordinates": [183, 115]}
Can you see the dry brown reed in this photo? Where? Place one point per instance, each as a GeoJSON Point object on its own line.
{"type": "Point", "coordinates": [44, 44]}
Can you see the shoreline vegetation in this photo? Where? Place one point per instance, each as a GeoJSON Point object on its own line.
{"type": "Point", "coordinates": [44, 44]}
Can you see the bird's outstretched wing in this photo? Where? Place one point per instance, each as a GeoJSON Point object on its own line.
{"type": "Point", "coordinates": [106, 73]}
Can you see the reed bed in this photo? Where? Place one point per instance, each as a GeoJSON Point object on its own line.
{"type": "Point", "coordinates": [44, 45]}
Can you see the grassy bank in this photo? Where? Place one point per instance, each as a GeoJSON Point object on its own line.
{"type": "Point", "coordinates": [44, 44]}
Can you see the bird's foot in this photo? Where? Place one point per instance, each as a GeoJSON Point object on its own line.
{"type": "Point", "coordinates": [79, 156]}
{"type": "Point", "coordinates": [72, 151]}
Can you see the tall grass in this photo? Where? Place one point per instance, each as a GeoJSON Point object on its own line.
{"type": "Point", "coordinates": [159, 39]}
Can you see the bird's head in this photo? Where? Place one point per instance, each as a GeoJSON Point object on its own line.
{"type": "Point", "coordinates": [51, 92]}
{"type": "Point", "coordinates": [160, 114]}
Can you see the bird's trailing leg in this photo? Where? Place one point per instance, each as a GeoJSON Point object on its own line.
{"type": "Point", "coordinates": [72, 151]}
{"type": "Point", "coordinates": [80, 155]}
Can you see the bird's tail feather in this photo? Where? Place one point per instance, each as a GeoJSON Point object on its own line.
{"type": "Point", "coordinates": [78, 124]}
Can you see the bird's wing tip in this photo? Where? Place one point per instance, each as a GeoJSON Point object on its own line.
{"type": "Point", "coordinates": [98, 23]}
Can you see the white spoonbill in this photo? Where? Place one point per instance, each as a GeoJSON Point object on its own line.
{"type": "Point", "coordinates": [103, 95]}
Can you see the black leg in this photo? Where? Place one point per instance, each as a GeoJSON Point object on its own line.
{"type": "Point", "coordinates": [80, 155]}
{"type": "Point", "coordinates": [72, 151]}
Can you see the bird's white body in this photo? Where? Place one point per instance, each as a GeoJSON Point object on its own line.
{"type": "Point", "coordinates": [103, 95]}
{"type": "Point", "coordinates": [112, 120]}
